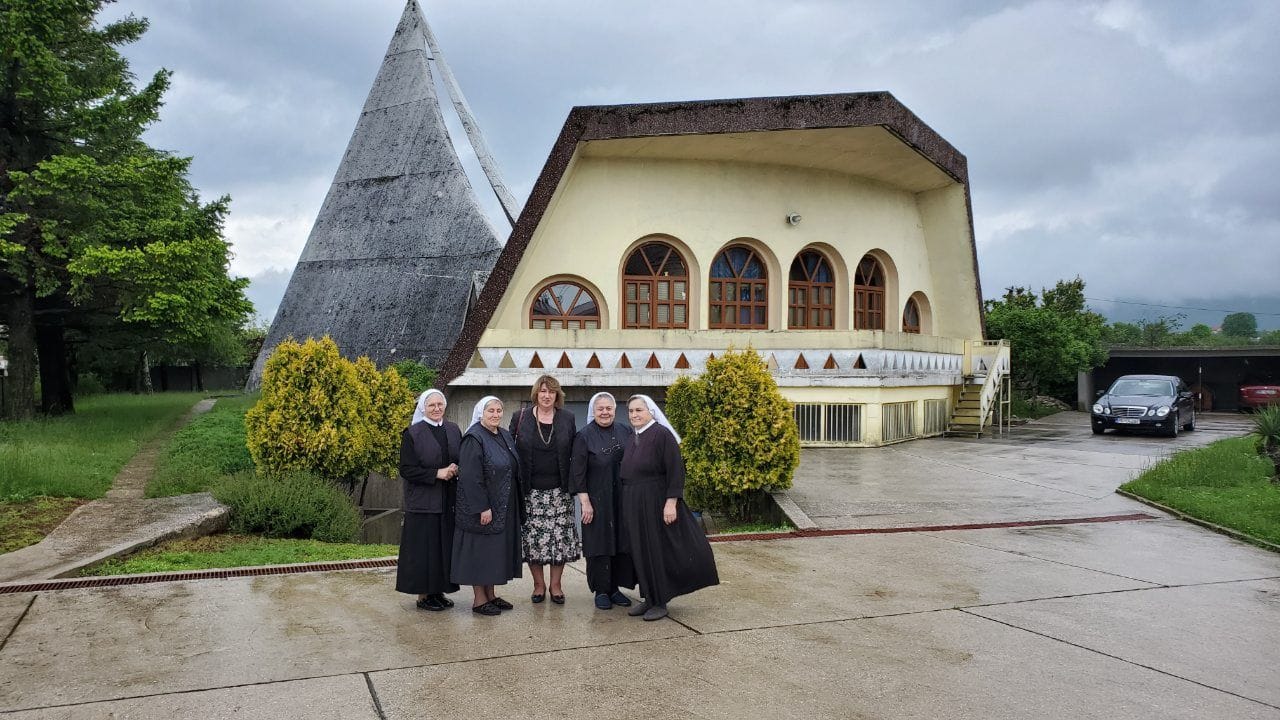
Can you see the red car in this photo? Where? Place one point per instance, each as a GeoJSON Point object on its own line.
{"type": "Point", "coordinates": [1253, 397]}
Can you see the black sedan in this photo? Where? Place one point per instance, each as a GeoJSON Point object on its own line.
{"type": "Point", "coordinates": [1151, 403]}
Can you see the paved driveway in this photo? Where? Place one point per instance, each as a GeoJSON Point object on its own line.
{"type": "Point", "coordinates": [1136, 619]}
{"type": "Point", "coordinates": [1054, 468]}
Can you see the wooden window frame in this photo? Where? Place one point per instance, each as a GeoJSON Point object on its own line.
{"type": "Point", "coordinates": [635, 287]}
{"type": "Point", "coordinates": [907, 309]}
{"type": "Point", "coordinates": [568, 322]}
{"type": "Point", "coordinates": [756, 288]}
{"type": "Point", "coordinates": [869, 294]}
{"type": "Point", "coordinates": [810, 289]}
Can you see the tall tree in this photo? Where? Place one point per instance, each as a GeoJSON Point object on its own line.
{"type": "Point", "coordinates": [95, 227]}
{"type": "Point", "coordinates": [1240, 325]}
{"type": "Point", "coordinates": [1052, 337]}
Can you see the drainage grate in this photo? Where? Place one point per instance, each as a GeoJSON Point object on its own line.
{"type": "Point", "coordinates": [99, 582]}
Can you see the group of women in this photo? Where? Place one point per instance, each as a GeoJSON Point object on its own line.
{"type": "Point", "coordinates": [480, 503]}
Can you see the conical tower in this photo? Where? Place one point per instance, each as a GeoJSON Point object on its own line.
{"type": "Point", "coordinates": [389, 266]}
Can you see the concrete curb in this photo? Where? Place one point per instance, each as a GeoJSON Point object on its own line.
{"type": "Point", "coordinates": [207, 523]}
{"type": "Point", "coordinates": [1243, 537]}
{"type": "Point", "coordinates": [794, 514]}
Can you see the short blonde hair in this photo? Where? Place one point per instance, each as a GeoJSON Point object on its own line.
{"type": "Point", "coordinates": [552, 385]}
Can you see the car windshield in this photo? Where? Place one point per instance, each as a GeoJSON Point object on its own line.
{"type": "Point", "coordinates": [1154, 388]}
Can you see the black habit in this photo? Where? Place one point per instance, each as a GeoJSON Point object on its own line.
{"type": "Point", "coordinates": [670, 560]}
{"type": "Point", "coordinates": [426, 539]}
{"type": "Point", "coordinates": [487, 471]}
{"type": "Point", "coordinates": [597, 456]}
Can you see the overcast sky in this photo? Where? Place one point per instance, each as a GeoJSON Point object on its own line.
{"type": "Point", "coordinates": [1135, 144]}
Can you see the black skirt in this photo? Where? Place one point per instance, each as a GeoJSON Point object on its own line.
{"type": "Point", "coordinates": [426, 550]}
{"type": "Point", "coordinates": [670, 560]}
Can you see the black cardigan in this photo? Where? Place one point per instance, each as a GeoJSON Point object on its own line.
{"type": "Point", "coordinates": [524, 428]}
{"type": "Point", "coordinates": [420, 457]}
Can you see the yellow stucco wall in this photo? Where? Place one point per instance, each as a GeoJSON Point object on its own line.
{"type": "Point", "coordinates": [606, 205]}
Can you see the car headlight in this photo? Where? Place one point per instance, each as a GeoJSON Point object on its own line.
{"type": "Point", "coordinates": [1097, 409]}
{"type": "Point", "coordinates": [1162, 410]}
{"type": "Point", "coordinates": [1106, 411]}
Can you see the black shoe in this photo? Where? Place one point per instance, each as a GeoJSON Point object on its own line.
{"type": "Point", "coordinates": [486, 609]}
{"type": "Point", "coordinates": [444, 600]}
{"type": "Point", "coordinates": [657, 612]}
{"type": "Point", "coordinates": [603, 602]}
{"type": "Point", "coordinates": [430, 602]}
{"type": "Point", "coordinates": [501, 604]}
{"type": "Point", "coordinates": [557, 599]}
{"type": "Point", "coordinates": [537, 597]}
{"type": "Point", "coordinates": [617, 598]}
{"type": "Point", "coordinates": [639, 610]}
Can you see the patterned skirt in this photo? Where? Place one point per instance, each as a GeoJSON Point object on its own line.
{"type": "Point", "coordinates": [550, 537]}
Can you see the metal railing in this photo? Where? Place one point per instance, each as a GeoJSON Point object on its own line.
{"type": "Point", "coordinates": [897, 421]}
{"type": "Point", "coordinates": [829, 423]}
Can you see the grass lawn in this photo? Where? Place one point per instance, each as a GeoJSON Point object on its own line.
{"type": "Point", "coordinates": [210, 447]}
{"type": "Point", "coordinates": [26, 522]}
{"type": "Point", "coordinates": [224, 551]}
{"type": "Point", "coordinates": [752, 527]}
{"type": "Point", "coordinates": [79, 455]}
{"type": "Point", "coordinates": [1225, 483]}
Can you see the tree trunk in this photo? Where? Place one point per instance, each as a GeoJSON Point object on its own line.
{"type": "Point", "coordinates": [55, 380]}
{"type": "Point", "coordinates": [144, 374]}
{"type": "Point", "coordinates": [20, 385]}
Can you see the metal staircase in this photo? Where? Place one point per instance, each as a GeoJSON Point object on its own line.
{"type": "Point", "coordinates": [986, 391]}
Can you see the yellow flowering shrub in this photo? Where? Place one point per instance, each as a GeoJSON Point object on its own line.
{"type": "Point", "coordinates": [324, 414]}
{"type": "Point", "coordinates": [739, 435]}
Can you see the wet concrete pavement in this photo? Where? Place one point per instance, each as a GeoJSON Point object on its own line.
{"type": "Point", "coordinates": [1136, 619]}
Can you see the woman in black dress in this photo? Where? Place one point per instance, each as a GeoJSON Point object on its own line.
{"type": "Point", "coordinates": [544, 440]}
{"type": "Point", "coordinates": [671, 554]}
{"type": "Point", "coordinates": [428, 465]}
{"type": "Point", "coordinates": [486, 540]}
{"type": "Point", "coordinates": [597, 454]}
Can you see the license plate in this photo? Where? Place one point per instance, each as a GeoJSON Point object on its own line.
{"type": "Point", "coordinates": [1127, 421]}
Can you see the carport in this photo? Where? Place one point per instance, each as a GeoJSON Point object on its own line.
{"type": "Point", "coordinates": [1218, 373]}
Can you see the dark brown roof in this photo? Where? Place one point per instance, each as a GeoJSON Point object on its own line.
{"type": "Point", "coordinates": [704, 117]}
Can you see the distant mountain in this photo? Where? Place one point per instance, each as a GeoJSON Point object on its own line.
{"type": "Point", "coordinates": [1210, 311]}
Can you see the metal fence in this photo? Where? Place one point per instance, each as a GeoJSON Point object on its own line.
{"type": "Point", "coordinates": [823, 423]}
{"type": "Point", "coordinates": [897, 421]}
{"type": "Point", "coordinates": [935, 417]}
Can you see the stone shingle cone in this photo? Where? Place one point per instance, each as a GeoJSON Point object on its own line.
{"type": "Point", "coordinates": [389, 266]}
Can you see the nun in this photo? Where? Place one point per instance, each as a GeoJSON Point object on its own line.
{"type": "Point", "coordinates": [486, 538]}
{"type": "Point", "coordinates": [669, 550]}
{"type": "Point", "coordinates": [428, 466]}
{"type": "Point", "coordinates": [597, 456]}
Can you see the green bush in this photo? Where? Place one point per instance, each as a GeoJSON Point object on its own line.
{"type": "Point", "coordinates": [1266, 428]}
{"type": "Point", "coordinates": [290, 505]}
{"type": "Point", "coordinates": [419, 376]}
{"type": "Point", "coordinates": [739, 435]}
{"type": "Point", "coordinates": [326, 415]}
{"type": "Point", "coordinates": [89, 384]}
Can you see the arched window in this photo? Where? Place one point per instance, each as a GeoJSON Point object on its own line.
{"type": "Point", "coordinates": [655, 284]}
{"type": "Point", "coordinates": [911, 317]}
{"type": "Point", "coordinates": [868, 295]}
{"type": "Point", "coordinates": [739, 290]}
{"type": "Point", "coordinates": [563, 305]}
{"type": "Point", "coordinates": [811, 292]}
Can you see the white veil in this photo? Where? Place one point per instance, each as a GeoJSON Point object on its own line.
{"type": "Point", "coordinates": [591, 409]}
{"type": "Point", "coordinates": [418, 413]}
{"type": "Point", "coordinates": [479, 408]}
{"type": "Point", "coordinates": [658, 416]}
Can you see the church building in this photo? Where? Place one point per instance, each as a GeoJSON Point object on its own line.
{"type": "Point", "coordinates": [831, 234]}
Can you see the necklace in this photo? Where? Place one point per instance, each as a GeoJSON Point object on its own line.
{"type": "Point", "coordinates": [538, 424]}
